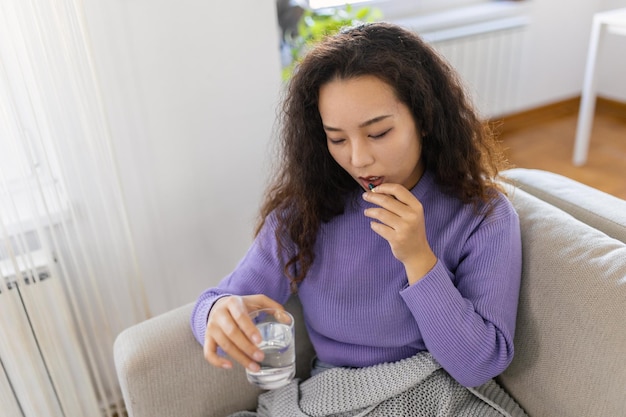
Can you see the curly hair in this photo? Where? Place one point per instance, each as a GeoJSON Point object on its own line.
{"type": "Point", "coordinates": [310, 187]}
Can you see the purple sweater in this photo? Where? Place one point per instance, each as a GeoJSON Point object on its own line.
{"type": "Point", "coordinates": [359, 309]}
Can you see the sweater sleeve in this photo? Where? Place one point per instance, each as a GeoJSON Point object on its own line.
{"type": "Point", "coordinates": [467, 317]}
{"type": "Point", "coordinates": [259, 272]}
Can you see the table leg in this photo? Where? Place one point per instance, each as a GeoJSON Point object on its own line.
{"type": "Point", "coordinates": [588, 99]}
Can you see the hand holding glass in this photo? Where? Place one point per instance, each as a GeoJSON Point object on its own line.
{"type": "Point", "coordinates": [278, 344]}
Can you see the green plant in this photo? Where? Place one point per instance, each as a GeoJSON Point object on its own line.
{"type": "Point", "coordinates": [315, 25]}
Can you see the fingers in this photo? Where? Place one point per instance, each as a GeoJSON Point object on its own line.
{"type": "Point", "coordinates": [399, 219]}
{"type": "Point", "coordinates": [236, 345]}
{"type": "Point", "coordinates": [210, 354]}
{"type": "Point", "coordinates": [230, 328]}
{"type": "Point", "coordinates": [259, 301]}
{"type": "Point", "coordinates": [242, 325]}
{"type": "Point", "coordinates": [384, 216]}
{"type": "Point", "coordinates": [390, 194]}
{"type": "Point", "coordinates": [395, 210]}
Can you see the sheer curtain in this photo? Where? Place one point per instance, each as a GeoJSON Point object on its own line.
{"type": "Point", "coordinates": [69, 279]}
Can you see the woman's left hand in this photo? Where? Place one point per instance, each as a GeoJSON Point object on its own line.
{"type": "Point", "coordinates": [399, 220]}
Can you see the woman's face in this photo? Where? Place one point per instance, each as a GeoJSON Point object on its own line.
{"type": "Point", "coordinates": [370, 133]}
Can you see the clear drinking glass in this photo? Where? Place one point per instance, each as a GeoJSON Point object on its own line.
{"type": "Point", "coordinates": [278, 344]}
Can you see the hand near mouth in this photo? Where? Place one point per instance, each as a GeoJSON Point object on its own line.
{"type": "Point", "coordinates": [399, 219]}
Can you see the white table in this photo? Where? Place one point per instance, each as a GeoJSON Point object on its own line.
{"type": "Point", "coordinates": [613, 21]}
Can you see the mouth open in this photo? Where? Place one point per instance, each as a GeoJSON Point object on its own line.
{"type": "Point", "coordinates": [370, 182]}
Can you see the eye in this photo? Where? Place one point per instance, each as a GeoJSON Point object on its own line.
{"type": "Point", "coordinates": [336, 141]}
{"type": "Point", "coordinates": [380, 135]}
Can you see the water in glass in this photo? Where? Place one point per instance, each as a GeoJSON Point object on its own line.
{"type": "Point", "coordinates": [278, 367]}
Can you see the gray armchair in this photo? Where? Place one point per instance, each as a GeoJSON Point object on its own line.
{"type": "Point", "coordinates": [570, 341]}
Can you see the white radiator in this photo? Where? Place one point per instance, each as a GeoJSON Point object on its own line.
{"type": "Point", "coordinates": [485, 45]}
{"type": "Point", "coordinates": [42, 371]}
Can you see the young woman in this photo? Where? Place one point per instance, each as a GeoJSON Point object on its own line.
{"type": "Point", "coordinates": [385, 219]}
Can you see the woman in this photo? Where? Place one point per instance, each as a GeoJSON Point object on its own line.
{"type": "Point", "coordinates": [384, 217]}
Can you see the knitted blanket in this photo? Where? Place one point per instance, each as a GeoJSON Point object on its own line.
{"type": "Point", "coordinates": [415, 386]}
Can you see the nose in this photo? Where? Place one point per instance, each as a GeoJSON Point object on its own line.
{"type": "Point", "coordinates": [361, 153]}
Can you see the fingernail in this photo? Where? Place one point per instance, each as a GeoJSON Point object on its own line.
{"type": "Point", "coordinates": [256, 339]}
{"type": "Point", "coordinates": [226, 365]}
{"type": "Point", "coordinates": [254, 367]}
{"type": "Point", "coordinates": [258, 356]}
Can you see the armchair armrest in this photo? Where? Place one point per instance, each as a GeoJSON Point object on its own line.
{"type": "Point", "coordinates": [162, 371]}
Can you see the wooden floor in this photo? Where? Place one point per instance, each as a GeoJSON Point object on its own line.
{"type": "Point", "coordinates": [544, 139]}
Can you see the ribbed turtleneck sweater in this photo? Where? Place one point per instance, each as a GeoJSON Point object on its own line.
{"type": "Point", "coordinates": [358, 307]}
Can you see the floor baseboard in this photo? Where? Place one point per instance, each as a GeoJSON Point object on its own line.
{"type": "Point", "coordinates": [553, 111]}
{"type": "Point", "coordinates": [611, 107]}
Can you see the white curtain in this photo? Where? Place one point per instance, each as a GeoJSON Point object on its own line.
{"type": "Point", "coordinates": [69, 278]}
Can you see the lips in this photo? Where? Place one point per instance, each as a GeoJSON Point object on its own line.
{"type": "Point", "coordinates": [366, 181]}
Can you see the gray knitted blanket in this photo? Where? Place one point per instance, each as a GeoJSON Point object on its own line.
{"type": "Point", "coordinates": [416, 386]}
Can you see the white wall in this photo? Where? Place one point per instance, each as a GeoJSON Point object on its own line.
{"type": "Point", "coordinates": [191, 88]}
{"type": "Point", "coordinates": [556, 52]}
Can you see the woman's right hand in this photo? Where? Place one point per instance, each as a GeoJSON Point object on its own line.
{"type": "Point", "coordinates": [230, 328]}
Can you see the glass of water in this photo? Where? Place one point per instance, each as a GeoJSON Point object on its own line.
{"type": "Point", "coordinates": [278, 344]}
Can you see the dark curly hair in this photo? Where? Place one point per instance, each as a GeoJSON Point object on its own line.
{"type": "Point", "coordinates": [310, 187]}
